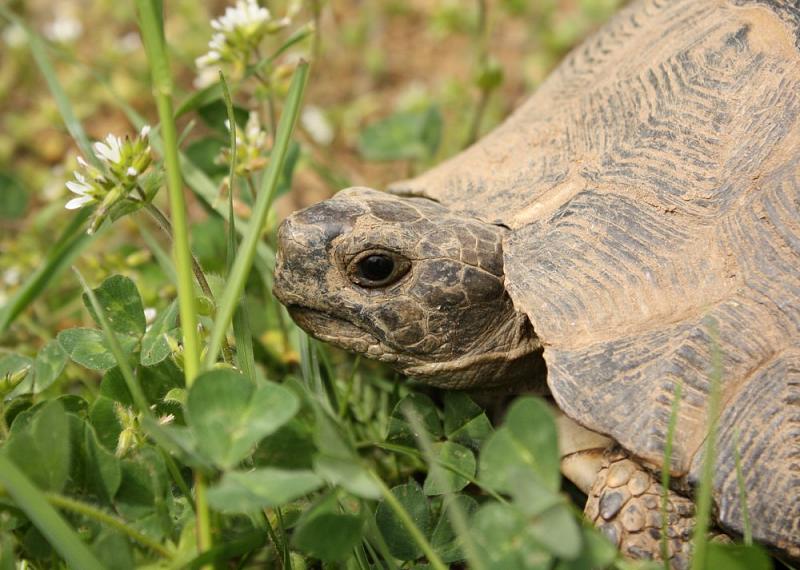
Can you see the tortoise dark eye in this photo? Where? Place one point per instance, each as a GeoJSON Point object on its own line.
{"type": "Point", "coordinates": [375, 267]}
{"type": "Point", "coordinates": [378, 269]}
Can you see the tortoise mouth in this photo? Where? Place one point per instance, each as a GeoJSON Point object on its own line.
{"type": "Point", "coordinates": [335, 330]}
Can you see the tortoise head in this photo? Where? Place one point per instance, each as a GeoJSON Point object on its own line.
{"type": "Point", "coordinates": [405, 281]}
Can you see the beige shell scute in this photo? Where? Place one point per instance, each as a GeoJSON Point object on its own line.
{"type": "Point", "coordinates": [652, 186]}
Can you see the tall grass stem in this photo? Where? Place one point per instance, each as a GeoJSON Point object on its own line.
{"type": "Point", "coordinates": [151, 27]}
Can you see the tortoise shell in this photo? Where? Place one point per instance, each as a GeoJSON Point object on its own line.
{"type": "Point", "coordinates": [652, 186]}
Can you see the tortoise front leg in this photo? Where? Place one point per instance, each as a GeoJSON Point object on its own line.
{"type": "Point", "coordinates": [625, 504]}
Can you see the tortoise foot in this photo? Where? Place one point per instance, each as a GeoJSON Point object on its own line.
{"type": "Point", "coordinates": [625, 504]}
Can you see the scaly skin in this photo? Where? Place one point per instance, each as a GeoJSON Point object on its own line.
{"type": "Point", "coordinates": [447, 320]}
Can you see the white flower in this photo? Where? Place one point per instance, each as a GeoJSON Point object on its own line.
{"type": "Point", "coordinates": [80, 187]}
{"type": "Point", "coordinates": [111, 150]}
{"type": "Point", "coordinates": [317, 125]}
{"type": "Point", "coordinates": [165, 420]}
{"type": "Point", "coordinates": [12, 276]}
{"type": "Point", "coordinates": [253, 134]}
{"type": "Point", "coordinates": [129, 43]}
{"type": "Point", "coordinates": [124, 160]}
{"type": "Point", "coordinates": [206, 76]}
{"type": "Point", "coordinates": [66, 29]}
{"type": "Point", "coordinates": [246, 13]}
{"type": "Point", "coordinates": [236, 34]}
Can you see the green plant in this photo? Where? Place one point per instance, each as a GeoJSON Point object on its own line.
{"type": "Point", "coordinates": [215, 432]}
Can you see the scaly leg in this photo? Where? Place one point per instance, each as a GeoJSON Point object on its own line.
{"type": "Point", "coordinates": [625, 504]}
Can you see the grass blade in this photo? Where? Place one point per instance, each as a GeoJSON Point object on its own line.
{"type": "Point", "coordinates": [247, 250]}
{"type": "Point", "coordinates": [665, 471]}
{"type": "Point", "coordinates": [151, 26]}
{"type": "Point", "coordinates": [748, 532]}
{"type": "Point", "coordinates": [241, 327]}
{"type": "Point", "coordinates": [49, 522]}
{"type": "Point", "coordinates": [703, 518]}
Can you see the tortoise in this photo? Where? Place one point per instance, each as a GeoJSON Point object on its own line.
{"type": "Point", "coordinates": [632, 227]}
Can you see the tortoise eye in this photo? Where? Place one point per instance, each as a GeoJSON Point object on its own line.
{"type": "Point", "coordinates": [378, 269]}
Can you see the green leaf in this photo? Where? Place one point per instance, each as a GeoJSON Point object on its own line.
{"type": "Point", "coordinates": [155, 347]}
{"type": "Point", "coordinates": [42, 448]}
{"type": "Point", "coordinates": [13, 197]}
{"type": "Point", "coordinates": [143, 493]}
{"type": "Point", "coordinates": [113, 550]}
{"type": "Point", "coordinates": [103, 418]}
{"type": "Point", "coordinates": [444, 538]}
{"type": "Point", "coordinates": [440, 479]}
{"type": "Point", "coordinates": [47, 520]}
{"type": "Point", "coordinates": [47, 367]}
{"type": "Point", "coordinates": [229, 416]}
{"type": "Point", "coordinates": [737, 557]}
{"type": "Point", "coordinates": [349, 474]}
{"type": "Point", "coordinates": [246, 492]}
{"type": "Point", "coordinates": [400, 542]}
{"type": "Point", "coordinates": [121, 304]}
{"type": "Point", "coordinates": [204, 152]}
{"type": "Point", "coordinates": [499, 534]}
{"type": "Point", "coordinates": [291, 447]}
{"type": "Point", "coordinates": [406, 135]}
{"type": "Point", "coordinates": [557, 531]}
{"type": "Point", "coordinates": [214, 114]}
{"type": "Point", "coordinates": [597, 552]}
{"type": "Point", "coordinates": [103, 472]}
{"type": "Point", "coordinates": [464, 421]}
{"type": "Point", "coordinates": [527, 441]}
{"type": "Point", "coordinates": [326, 533]}
{"type": "Point", "coordinates": [200, 98]}
{"type": "Point", "coordinates": [399, 430]}
{"type": "Point", "coordinates": [157, 381]}
{"type": "Point", "coordinates": [88, 347]}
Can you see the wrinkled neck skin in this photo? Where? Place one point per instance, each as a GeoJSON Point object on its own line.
{"type": "Point", "coordinates": [446, 319]}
